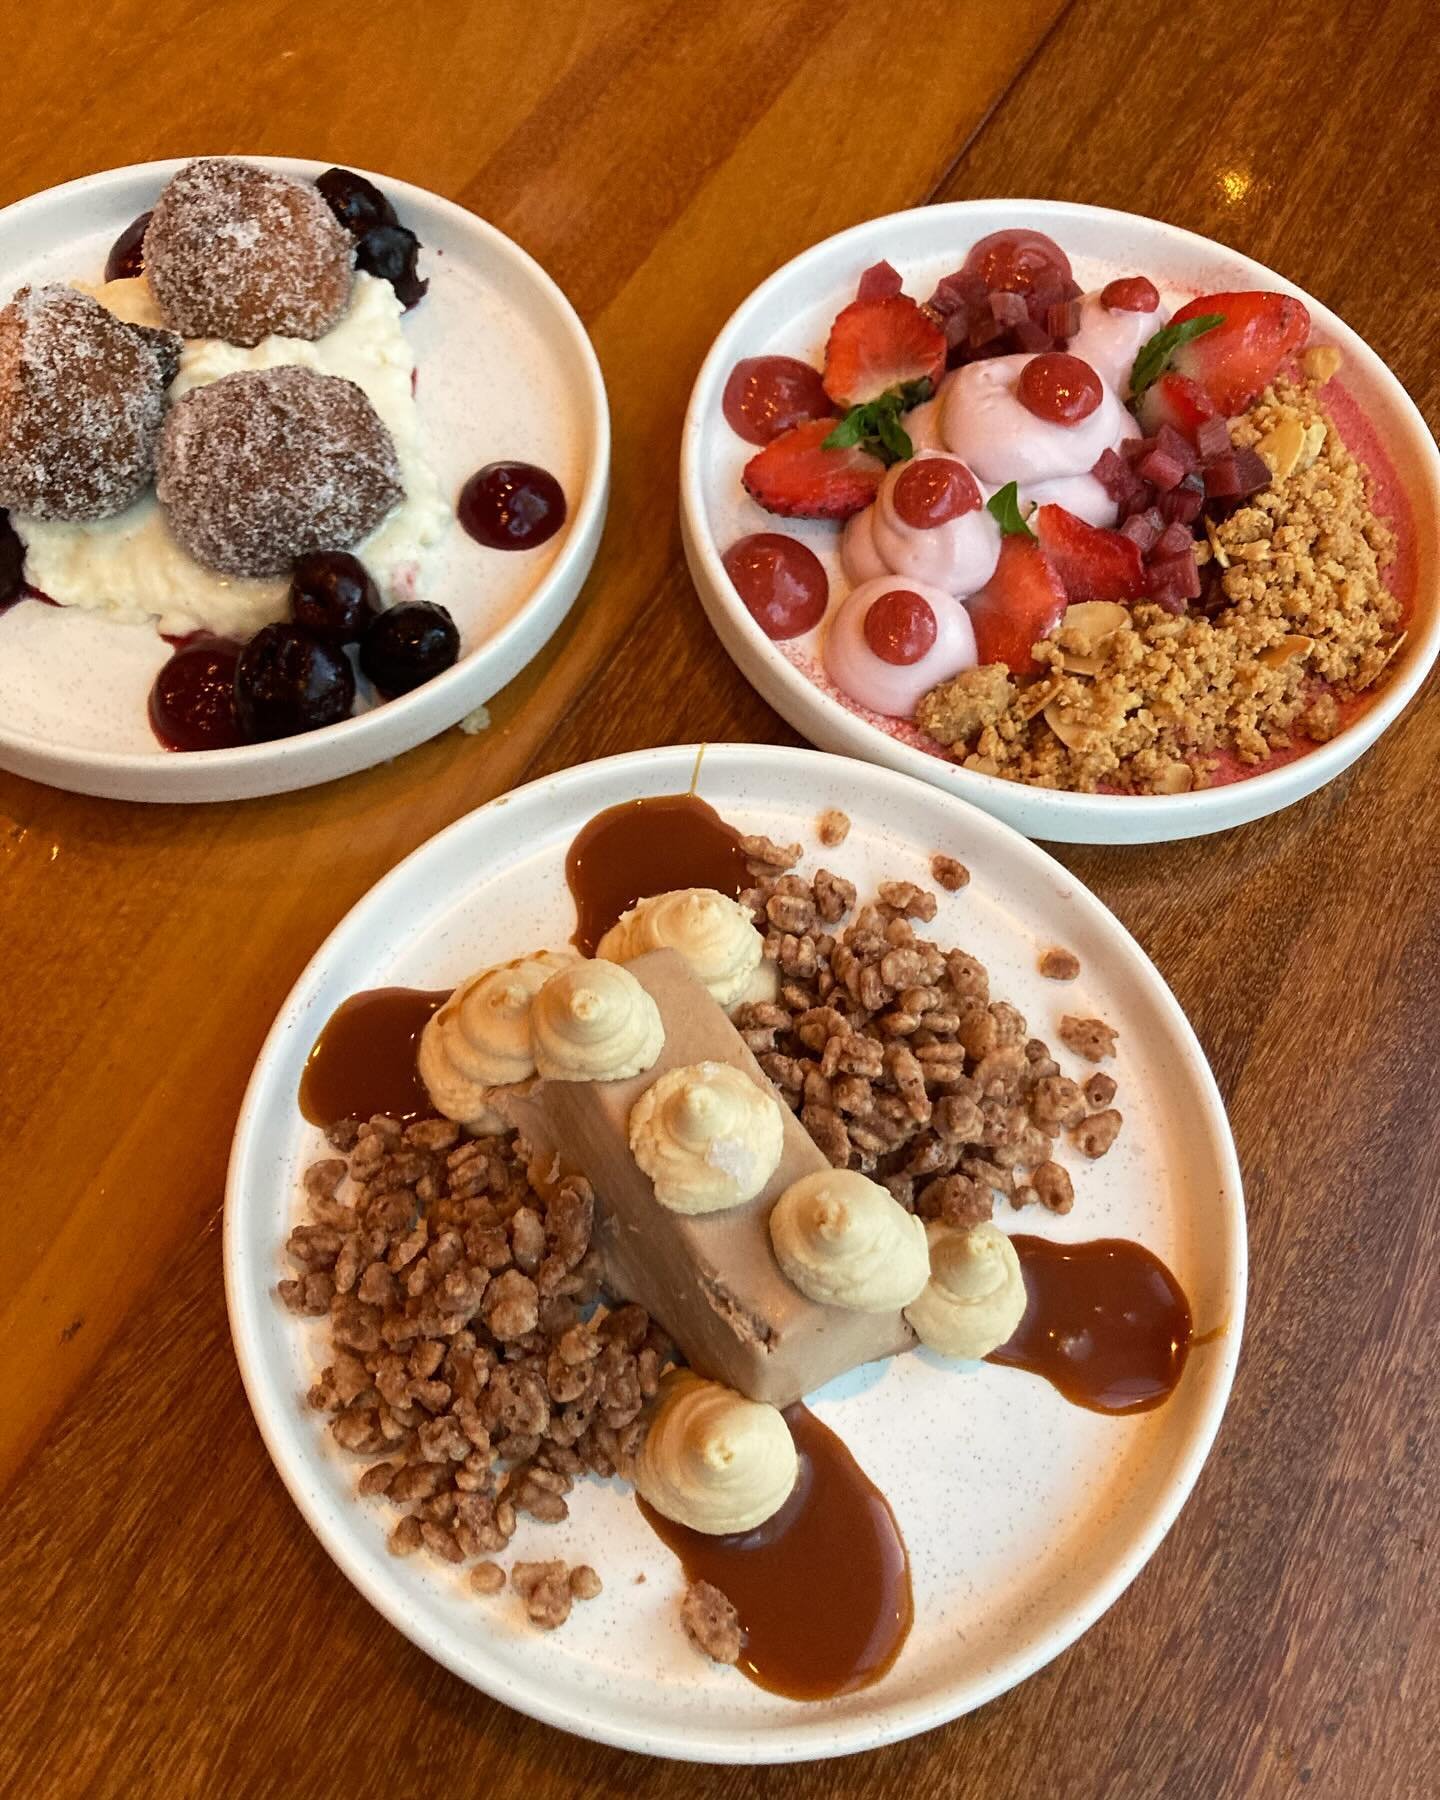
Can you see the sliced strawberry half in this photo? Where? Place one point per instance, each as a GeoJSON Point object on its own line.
{"type": "Point", "coordinates": [878, 344]}
{"type": "Point", "coordinates": [1021, 603]}
{"type": "Point", "coordinates": [1177, 401]}
{"type": "Point", "coordinates": [795, 476]}
{"type": "Point", "coordinates": [1092, 564]}
{"type": "Point", "coordinates": [1235, 361]}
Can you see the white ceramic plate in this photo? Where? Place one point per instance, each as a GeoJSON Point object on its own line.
{"type": "Point", "coordinates": [791, 314]}
{"type": "Point", "coordinates": [1061, 1506]}
{"type": "Point", "coordinates": [505, 371]}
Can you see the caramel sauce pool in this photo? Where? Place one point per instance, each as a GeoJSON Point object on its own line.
{"type": "Point", "coordinates": [644, 847]}
{"type": "Point", "coordinates": [363, 1061]}
{"type": "Point", "coordinates": [1105, 1322]}
{"type": "Point", "coordinates": [823, 1588]}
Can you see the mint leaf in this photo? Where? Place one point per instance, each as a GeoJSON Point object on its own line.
{"type": "Point", "coordinates": [1150, 363]}
{"type": "Point", "coordinates": [1004, 508]}
{"type": "Point", "coordinates": [875, 427]}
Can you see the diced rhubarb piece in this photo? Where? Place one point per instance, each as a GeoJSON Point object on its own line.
{"type": "Point", "coordinates": [1092, 564]}
{"type": "Point", "coordinates": [1143, 531]}
{"type": "Point", "coordinates": [1173, 443]}
{"type": "Point", "coordinates": [953, 293]}
{"type": "Point", "coordinates": [1007, 308]}
{"type": "Point", "coordinates": [1117, 478]}
{"type": "Point", "coordinates": [1163, 470]}
{"type": "Point", "coordinates": [1062, 319]}
{"type": "Point", "coordinates": [1251, 472]}
{"type": "Point", "coordinates": [983, 331]}
{"type": "Point", "coordinates": [879, 281]}
{"type": "Point", "coordinates": [1212, 437]}
{"type": "Point", "coordinates": [1171, 581]}
{"type": "Point", "coordinates": [1184, 502]}
{"type": "Point", "coordinates": [1135, 450]}
{"type": "Point", "coordinates": [1174, 540]}
{"type": "Point", "coordinates": [1222, 478]}
{"type": "Point", "coordinates": [1032, 338]}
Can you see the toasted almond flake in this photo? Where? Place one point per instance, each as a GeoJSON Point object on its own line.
{"type": "Point", "coordinates": [1089, 623]}
{"type": "Point", "coordinates": [1280, 449]}
{"type": "Point", "coordinates": [1321, 362]}
{"type": "Point", "coordinates": [1217, 548]}
{"type": "Point", "coordinates": [1072, 731]}
{"type": "Point", "coordinates": [1175, 778]}
{"type": "Point", "coordinates": [1314, 443]}
{"type": "Point", "coordinates": [1288, 648]}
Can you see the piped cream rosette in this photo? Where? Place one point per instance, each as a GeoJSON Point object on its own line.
{"type": "Point", "coordinates": [975, 1297]}
{"type": "Point", "coordinates": [594, 1022]}
{"type": "Point", "coordinates": [715, 935]}
{"type": "Point", "coordinates": [844, 1240]}
{"type": "Point", "coordinates": [707, 1136]}
{"type": "Point", "coordinates": [479, 1040]}
{"type": "Point", "coordinates": [714, 1460]}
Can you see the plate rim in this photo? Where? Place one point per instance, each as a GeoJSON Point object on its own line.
{"type": "Point", "coordinates": [247, 1285]}
{"type": "Point", "coordinates": [1059, 813]}
{"type": "Point", "coordinates": [447, 698]}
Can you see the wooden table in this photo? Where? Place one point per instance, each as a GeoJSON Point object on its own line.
{"type": "Point", "coordinates": [171, 1626]}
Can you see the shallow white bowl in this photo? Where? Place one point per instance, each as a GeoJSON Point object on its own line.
{"type": "Point", "coordinates": [790, 313]}
{"type": "Point", "coordinates": [1061, 1507]}
{"type": "Point", "coordinates": [504, 370]}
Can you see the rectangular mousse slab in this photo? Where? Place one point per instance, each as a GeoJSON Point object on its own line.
{"type": "Point", "coordinates": [711, 1279]}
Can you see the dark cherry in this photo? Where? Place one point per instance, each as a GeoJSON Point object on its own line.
{"type": "Point", "coordinates": [781, 581]}
{"type": "Point", "coordinates": [408, 646]}
{"type": "Point", "coordinates": [12, 562]}
{"type": "Point", "coordinates": [192, 699]}
{"type": "Point", "coordinates": [332, 596]}
{"type": "Point", "coordinates": [390, 251]}
{"type": "Point", "coordinates": [511, 506]}
{"type": "Point", "coordinates": [357, 203]}
{"type": "Point", "coordinates": [287, 682]}
{"type": "Point", "coordinates": [127, 254]}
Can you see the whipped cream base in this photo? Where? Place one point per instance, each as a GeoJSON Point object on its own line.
{"type": "Point", "coordinates": [130, 568]}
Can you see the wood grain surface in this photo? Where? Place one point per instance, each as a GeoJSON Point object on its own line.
{"type": "Point", "coordinates": [172, 1627]}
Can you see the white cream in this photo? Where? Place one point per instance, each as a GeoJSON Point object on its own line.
{"type": "Point", "coordinates": [713, 1460]}
{"type": "Point", "coordinates": [594, 1022]}
{"type": "Point", "coordinates": [707, 1136]}
{"type": "Point", "coordinates": [895, 688]}
{"type": "Point", "coordinates": [987, 427]}
{"type": "Point", "coordinates": [714, 933]}
{"type": "Point", "coordinates": [1110, 341]}
{"type": "Point", "coordinates": [479, 1040]}
{"type": "Point", "coordinates": [130, 567]}
{"type": "Point", "coordinates": [975, 1297]}
{"type": "Point", "coordinates": [843, 1240]}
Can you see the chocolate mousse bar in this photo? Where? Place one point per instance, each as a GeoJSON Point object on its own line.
{"type": "Point", "coordinates": [711, 1279]}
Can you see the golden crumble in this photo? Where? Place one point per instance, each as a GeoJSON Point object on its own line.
{"type": "Point", "coordinates": [1136, 699]}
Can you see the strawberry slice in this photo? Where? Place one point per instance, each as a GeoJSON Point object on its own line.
{"type": "Point", "coordinates": [1092, 564]}
{"type": "Point", "coordinates": [1236, 360]}
{"type": "Point", "coordinates": [797, 478]}
{"type": "Point", "coordinates": [1021, 603]}
{"type": "Point", "coordinates": [1177, 401]}
{"type": "Point", "coordinates": [878, 344]}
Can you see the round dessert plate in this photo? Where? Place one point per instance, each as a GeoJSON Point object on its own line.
{"type": "Point", "coordinates": [791, 313]}
{"type": "Point", "coordinates": [504, 371]}
{"type": "Point", "coordinates": [1061, 1506]}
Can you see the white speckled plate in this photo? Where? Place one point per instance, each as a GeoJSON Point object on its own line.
{"type": "Point", "coordinates": [1025, 1516]}
{"type": "Point", "coordinates": [504, 371]}
{"type": "Point", "coordinates": [791, 312]}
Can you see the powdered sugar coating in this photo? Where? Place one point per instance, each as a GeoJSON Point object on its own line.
{"type": "Point", "coordinates": [81, 399]}
{"type": "Point", "coordinates": [236, 252]}
{"type": "Point", "coordinates": [260, 467]}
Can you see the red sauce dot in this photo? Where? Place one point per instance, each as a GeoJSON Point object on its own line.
{"type": "Point", "coordinates": [932, 490]}
{"type": "Point", "coordinates": [1060, 388]}
{"type": "Point", "coordinates": [781, 582]}
{"type": "Point", "coordinates": [1131, 293]}
{"type": "Point", "coordinates": [766, 395]}
{"type": "Point", "coordinates": [900, 627]}
{"type": "Point", "coordinates": [1017, 260]}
